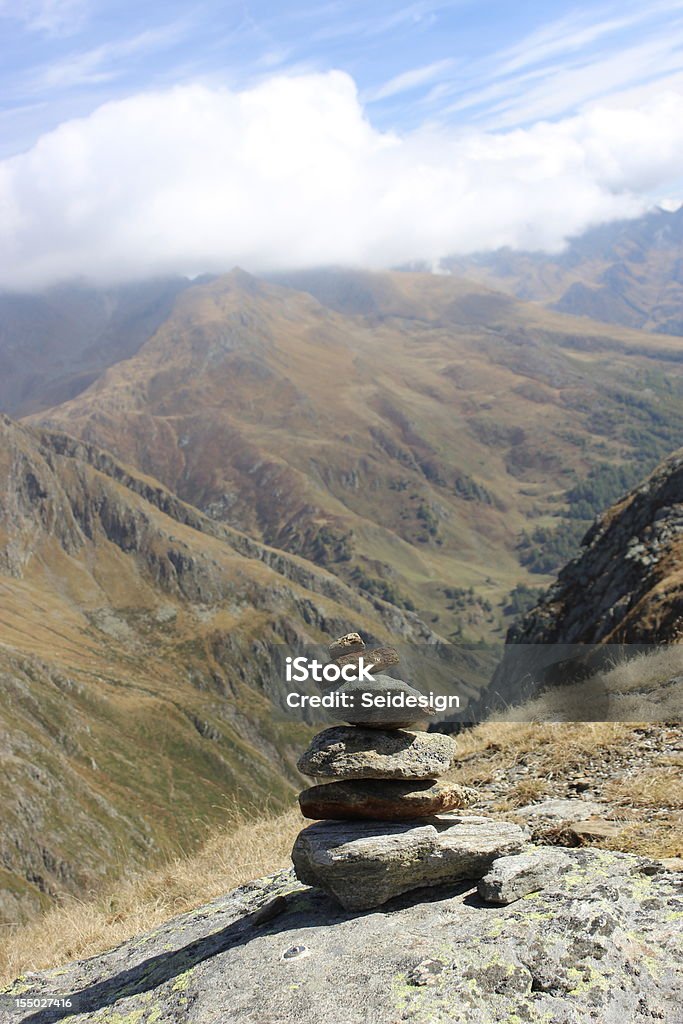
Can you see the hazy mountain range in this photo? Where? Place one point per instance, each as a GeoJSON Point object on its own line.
{"type": "Point", "coordinates": [627, 272]}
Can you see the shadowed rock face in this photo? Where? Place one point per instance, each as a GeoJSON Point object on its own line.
{"type": "Point", "coordinates": [602, 943]}
{"type": "Point", "coordinates": [627, 585]}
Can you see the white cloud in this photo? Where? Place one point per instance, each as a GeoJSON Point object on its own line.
{"type": "Point", "coordinates": [291, 173]}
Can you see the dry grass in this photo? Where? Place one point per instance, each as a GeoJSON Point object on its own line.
{"type": "Point", "coordinates": [646, 671]}
{"type": "Point", "coordinates": [557, 747]}
{"type": "Point", "coordinates": [649, 839]}
{"type": "Point", "coordinates": [79, 929]}
{"type": "Point", "coordinates": [658, 786]}
{"type": "Point", "coordinates": [640, 688]}
{"type": "Point", "coordinates": [528, 791]}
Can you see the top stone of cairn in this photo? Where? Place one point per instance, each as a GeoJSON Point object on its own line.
{"type": "Point", "coordinates": [350, 643]}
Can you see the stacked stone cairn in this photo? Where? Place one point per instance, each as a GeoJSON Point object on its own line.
{"type": "Point", "coordinates": [385, 825]}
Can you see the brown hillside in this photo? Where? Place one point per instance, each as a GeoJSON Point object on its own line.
{"type": "Point", "coordinates": [404, 443]}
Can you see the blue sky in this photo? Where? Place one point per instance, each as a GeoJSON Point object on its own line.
{"type": "Point", "coordinates": [154, 137]}
{"type": "Point", "coordinates": [466, 62]}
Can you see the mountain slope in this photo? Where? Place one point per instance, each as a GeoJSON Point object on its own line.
{"type": "Point", "coordinates": [627, 272]}
{"type": "Point", "coordinates": [403, 436]}
{"type": "Point", "coordinates": [140, 699]}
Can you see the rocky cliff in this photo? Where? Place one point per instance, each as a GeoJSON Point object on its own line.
{"type": "Point", "coordinates": [626, 588]}
{"type": "Point", "coordinates": [627, 584]}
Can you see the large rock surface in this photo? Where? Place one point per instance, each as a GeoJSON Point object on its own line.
{"type": "Point", "coordinates": [603, 944]}
{"type": "Point", "coordinates": [363, 864]}
{"type": "Point", "coordinates": [346, 752]}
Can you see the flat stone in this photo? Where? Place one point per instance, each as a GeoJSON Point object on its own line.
{"type": "Point", "coordinates": [348, 752]}
{"type": "Point", "coordinates": [350, 643]}
{"type": "Point", "coordinates": [363, 864]}
{"type": "Point", "coordinates": [381, 688]}
{"type": "Point", "coordinates": [383, 800]}
{"type": "Point", "coordinates": [511, 878]}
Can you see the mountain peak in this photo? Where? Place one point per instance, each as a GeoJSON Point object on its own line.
{"type": "Point", "coordinates": [243, 279]}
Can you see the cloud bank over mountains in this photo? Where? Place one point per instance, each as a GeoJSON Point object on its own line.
{"type": "Point", "coordinates": [291, 173]}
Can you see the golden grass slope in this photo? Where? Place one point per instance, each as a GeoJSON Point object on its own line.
{"type": "Point", "coordinates": [139, 699]}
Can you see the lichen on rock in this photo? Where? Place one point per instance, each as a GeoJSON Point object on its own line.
{"type": "Point", "coordinates": [602, 942]}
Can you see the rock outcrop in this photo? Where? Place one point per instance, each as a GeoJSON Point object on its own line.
{"type": "Point", "coordinates": [627, 584]}
{"type": "Point", "coordinates": [626, 588]}
{"type": "Point", "coordinates": [602, 942]}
